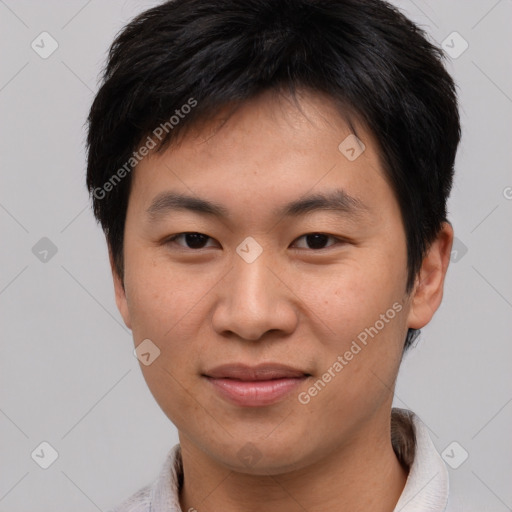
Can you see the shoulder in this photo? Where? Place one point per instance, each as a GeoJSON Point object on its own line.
{"type": "Point", "coordinates": [163, 494]}
{"type": "Point", "coordinates": [454, 504]}
{"type": "Point", "coordinates": [138, 502]}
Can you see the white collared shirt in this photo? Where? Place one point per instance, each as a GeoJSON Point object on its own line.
{"type": "Point", "coordinates": [426, 488]}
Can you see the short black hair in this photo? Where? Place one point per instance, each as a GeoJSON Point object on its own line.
{"type": "Point", "coordinates": [365, 55]}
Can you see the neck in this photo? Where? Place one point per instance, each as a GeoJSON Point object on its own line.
{"type": "Point", "coordinates": [362, 473]}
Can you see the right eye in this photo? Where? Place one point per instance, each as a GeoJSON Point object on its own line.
{"type": "Point", "coordinates": [192, 240]}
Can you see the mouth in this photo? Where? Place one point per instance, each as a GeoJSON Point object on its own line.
{"type": "Point", "coordinates": [255, 386]}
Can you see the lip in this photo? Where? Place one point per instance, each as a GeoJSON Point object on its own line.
{"type": "Point", "coordinates": [255, 386]}
{"type": "Point", "coordinates": [260, 372]}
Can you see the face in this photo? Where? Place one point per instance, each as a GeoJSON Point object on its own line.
{"type": "Point", "coordinates": [299, 261]}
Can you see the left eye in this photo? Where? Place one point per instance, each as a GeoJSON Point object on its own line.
{"type": "Point", "coordinates": [317, 240]}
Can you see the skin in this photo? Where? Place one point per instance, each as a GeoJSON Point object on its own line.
{"type": "Point", "coordinates": [294, 305]}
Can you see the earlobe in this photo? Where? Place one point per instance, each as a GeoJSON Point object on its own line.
{"type": "Point", "coordinates": [120, 292]}
{"type": "Point", "coordinates": [428, 290]}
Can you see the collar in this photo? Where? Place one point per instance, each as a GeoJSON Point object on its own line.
{"type": "Point", "coordinates": [426, 488]}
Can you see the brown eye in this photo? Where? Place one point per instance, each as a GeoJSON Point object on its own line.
{"type": "Point", "coordinates": [317, 240]}
{"type": "Point", "coordinates": [191, 240]}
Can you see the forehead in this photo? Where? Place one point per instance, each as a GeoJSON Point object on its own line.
{"type": "Point", "coordinates": [269, 150]}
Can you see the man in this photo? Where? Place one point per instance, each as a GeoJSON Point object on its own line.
{"type": "Point", "coordinates": [272, 178]}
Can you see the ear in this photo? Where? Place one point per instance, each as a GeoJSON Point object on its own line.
{"type": "Point", "coordinates": [428, 289]}
{"type": "Point", "coordinates": [121, 301]}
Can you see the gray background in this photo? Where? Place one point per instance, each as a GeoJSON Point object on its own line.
{"type": "Point", "coordinates": [67, 372]}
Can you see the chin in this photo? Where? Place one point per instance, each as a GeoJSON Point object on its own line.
{"type": "Point", "coordinates": [265, 457]}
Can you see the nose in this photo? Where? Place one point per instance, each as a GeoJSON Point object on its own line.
{"type": "Point", "coordinates": [254, 300]}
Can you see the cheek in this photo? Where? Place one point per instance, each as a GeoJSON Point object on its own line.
{"type": "Point", "coordinates": [166, 308]}
{"type": "Point", "coordinates": [363, 306]}
{"type": "Point", "coordinates": [362, 346]}
{"type": "Point", "coordinates": [161, 301]}
{"type": "Point", "coordinates": [357, 293]}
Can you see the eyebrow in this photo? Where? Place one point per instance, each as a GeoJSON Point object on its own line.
{"type": "Point", "coordinates": [336, 200]}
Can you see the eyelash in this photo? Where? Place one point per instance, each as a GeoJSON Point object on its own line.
{"type": "Point", "coordinates": [173, 238]}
